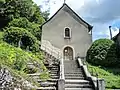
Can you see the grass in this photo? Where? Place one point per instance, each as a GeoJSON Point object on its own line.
{"type": "Point", "coordinates": [110, 75]}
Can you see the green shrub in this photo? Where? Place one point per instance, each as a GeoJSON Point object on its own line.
{"type": "Point", "coordinates": [20, 37]}
{"type": "Point", "coordinates": [103, 52]}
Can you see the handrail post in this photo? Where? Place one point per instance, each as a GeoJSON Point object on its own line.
{"type": "Point", "coordinates": [62, 68]}
{"type": "Point", "coordinates": [61, 81]}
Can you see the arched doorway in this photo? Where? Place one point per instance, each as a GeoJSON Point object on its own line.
{"type": "Point", "coordinates": [68, 53]}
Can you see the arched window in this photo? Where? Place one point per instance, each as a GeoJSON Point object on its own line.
{"type": "Point", "coordinates": [67, 33]}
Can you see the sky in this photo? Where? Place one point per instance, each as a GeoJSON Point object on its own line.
{"type": "Point", "coordinates": [99, 13]}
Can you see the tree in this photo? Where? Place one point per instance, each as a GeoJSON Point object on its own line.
{"type": "Point", "coordinates": [37, 16]}
{"type": "Point", "coordinates": [10, 9]}
{"type": "Point", "coordinates": [24, 23]}
{"type": "Point", "coordinates": [103, 52]}
{"type": "Point", "coordinates": [20, 37]}
{"type": "Point", "coordinates": [45, 15]}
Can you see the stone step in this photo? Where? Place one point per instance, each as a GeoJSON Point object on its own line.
{"type": "Point", "coordinates": [78, 86]}
{"type": "Point", "coordinates": [73, 70]}
{"type": "Point", "coordinates": [74, 75]}
{"type": "Point", "coordinates": [54, 77]}
{"type": "Point", "coordinates": [47, 84]}
{"type": "Point", "coordinates": [37, 75]}
{"type": "Point", "coordinates": [79, 89]}
{"type": "Point", "coordinates": [77, 82]}
{"type": "Point", "coordinates": [46, 88]}
{"type": "Point", "coordinates": [55, 64]}
{"type": "Point", "coordinates": [71, 64]}
{"type": "Point", "coordinates": [49, 80]}
{"type": "Point", "coordinates": [75, 78]}
{"type": "Point", "coordinates": [70, 61]}
{"type": "Point", "coordinates": [72, 67]}
{"type": "Point", "coordinates": [51, 66]}
{"type": "Point", "coordinates": [69, 68]}
{"type": "Point", "coordinates": [52, 72]}
{"type": "Point", "coordinates": [53, 69]}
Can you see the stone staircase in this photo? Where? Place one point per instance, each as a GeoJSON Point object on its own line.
{"type": "Point", "coordinates": [52, 64]}
{"type": "Point", "coordinates": [50, 84]}
{"type": "Point", "coordinates": [75, 78]}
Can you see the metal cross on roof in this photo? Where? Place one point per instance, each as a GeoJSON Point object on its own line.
{"type": "Point", "coordinates": [64, 1]}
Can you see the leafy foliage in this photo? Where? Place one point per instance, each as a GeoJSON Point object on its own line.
{"type": "Point", "coordinates": [10, 9]}
{"type": "Point", "coordinates": [37, 16]}
{"type": "Point", "coordinates": [103, 52]}
{"type": "Point", "coordinates": [45, 15]}
{"type": "Point", "coordinates": [24, 23]}
{"type": "Point", "coordinates": [1, 36]}
{"type": "Point", "coordinates": [20, 37]}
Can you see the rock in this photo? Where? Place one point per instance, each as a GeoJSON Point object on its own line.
{"type": "Point", "coordinates": [5, 77]}
{"type": "Point", "coordinates": [7, 82]}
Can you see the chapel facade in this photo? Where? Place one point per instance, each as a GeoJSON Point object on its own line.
{"type": "Point", "coordinates": [66, 35]}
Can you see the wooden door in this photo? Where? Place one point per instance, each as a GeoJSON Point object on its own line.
{"type": "Point", "coordinates": [68, 53]}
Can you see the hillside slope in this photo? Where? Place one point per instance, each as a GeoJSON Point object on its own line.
{"type": "Point", "coordinates": [15, 61]}
{"type": "Point", "coordinates": [110, 75]}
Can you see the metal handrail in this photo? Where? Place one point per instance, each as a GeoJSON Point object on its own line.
{"type": "Point", "coordinates": [52, 52]}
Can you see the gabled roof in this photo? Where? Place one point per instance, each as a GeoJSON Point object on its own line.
{"type": "Point", "coordinates": [65, 5]}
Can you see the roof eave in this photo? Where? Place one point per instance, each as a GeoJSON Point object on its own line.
{"type": "Point", "coordinates": [90, 28]}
